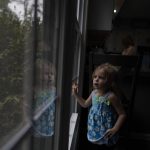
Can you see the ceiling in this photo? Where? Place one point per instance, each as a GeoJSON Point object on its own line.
{"type": "Point", "coordinates": [135, 11]}
{"type": "Point", "coordinates": [130, 14]}
{"type": "Point", "coordinates": [139, 9]}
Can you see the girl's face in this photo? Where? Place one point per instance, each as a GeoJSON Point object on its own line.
{"type": "Point", "coordinates": [99, 79]}
{"type": "Point", "coordinates": [49, 76]}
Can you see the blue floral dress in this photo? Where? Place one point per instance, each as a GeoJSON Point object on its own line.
{"type": "Point", "coordinates": [101, 117]}
{"type": "Point", "coordinates": [44, 125]}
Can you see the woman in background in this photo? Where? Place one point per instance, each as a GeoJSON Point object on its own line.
{"type": "Point", "coordinates": [128, 46]}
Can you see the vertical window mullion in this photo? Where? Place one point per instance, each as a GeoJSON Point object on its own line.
{"type": "Point", "coordinates": [65, 68]}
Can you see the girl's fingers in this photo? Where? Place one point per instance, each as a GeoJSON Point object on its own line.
{"type": "Point", "coordinates": [108, 134]}
{"type": "Point", "coordinates": [75, 88]}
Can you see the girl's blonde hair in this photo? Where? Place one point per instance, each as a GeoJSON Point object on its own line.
{"type": "Point", "coordinates": [111, 73]}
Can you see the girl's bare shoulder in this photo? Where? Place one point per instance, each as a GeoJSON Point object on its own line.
{"type": "Point", "coordinates": [112, 96]}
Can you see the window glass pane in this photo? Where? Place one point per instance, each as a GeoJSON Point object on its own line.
{"type": "Point", "coordinates": [80, 13]}
{"type": "Point", "coordinates": [15, 44]}
{"type": "Point", "coordinates": [76, 61]}
{"type": "Point", "coordinates": [75, 78]}
{"type": "Point", "coordinates": [45, 76]}
{"type": "Point", "coordinates": [78, 7]}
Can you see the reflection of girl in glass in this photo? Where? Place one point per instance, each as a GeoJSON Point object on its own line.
{"type": "Point", "coordinates": [44, 98]}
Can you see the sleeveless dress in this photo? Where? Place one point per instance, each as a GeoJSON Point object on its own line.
{"type": "Point", "coordinates": [101, 117]}
{"type": "Point", "coordinates": [44, 125]}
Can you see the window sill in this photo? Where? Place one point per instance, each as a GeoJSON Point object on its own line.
{"type": "Point", "coordinates": [73, 122]}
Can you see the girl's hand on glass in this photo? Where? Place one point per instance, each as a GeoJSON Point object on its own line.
{"type": "Point", "coordinates": [74, 88]}
{"type": "Point", "coordinates": [109, 133]}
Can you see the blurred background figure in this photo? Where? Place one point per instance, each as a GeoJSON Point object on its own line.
{"type": "Point", "coordinates": [128, 46]}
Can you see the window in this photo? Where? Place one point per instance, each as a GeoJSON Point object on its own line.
{"type": "Point", "coordinates": [44, 101]}
{"type": "Point", "coordinates": [35, 108]}
{"type": "Point", "coordinates": [78, 67]}
{"type": "Point", "coordinates": [16, 46]}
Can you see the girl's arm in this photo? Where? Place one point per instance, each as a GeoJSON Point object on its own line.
{"type": "Point", "coordinates": [116, 103]}
{"type": "Point", "coordinates": [121, 116]}
{"type": "Point", "coordinates": [84, 103]}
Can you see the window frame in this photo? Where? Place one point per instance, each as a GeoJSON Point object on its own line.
{"type": "Point", "coordinates": [65, 68]}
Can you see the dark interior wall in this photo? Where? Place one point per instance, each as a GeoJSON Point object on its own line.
{"type": "Point", "coordinates": [99, 22]}
{"type": "Point", "coordinates": [100, 14]}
